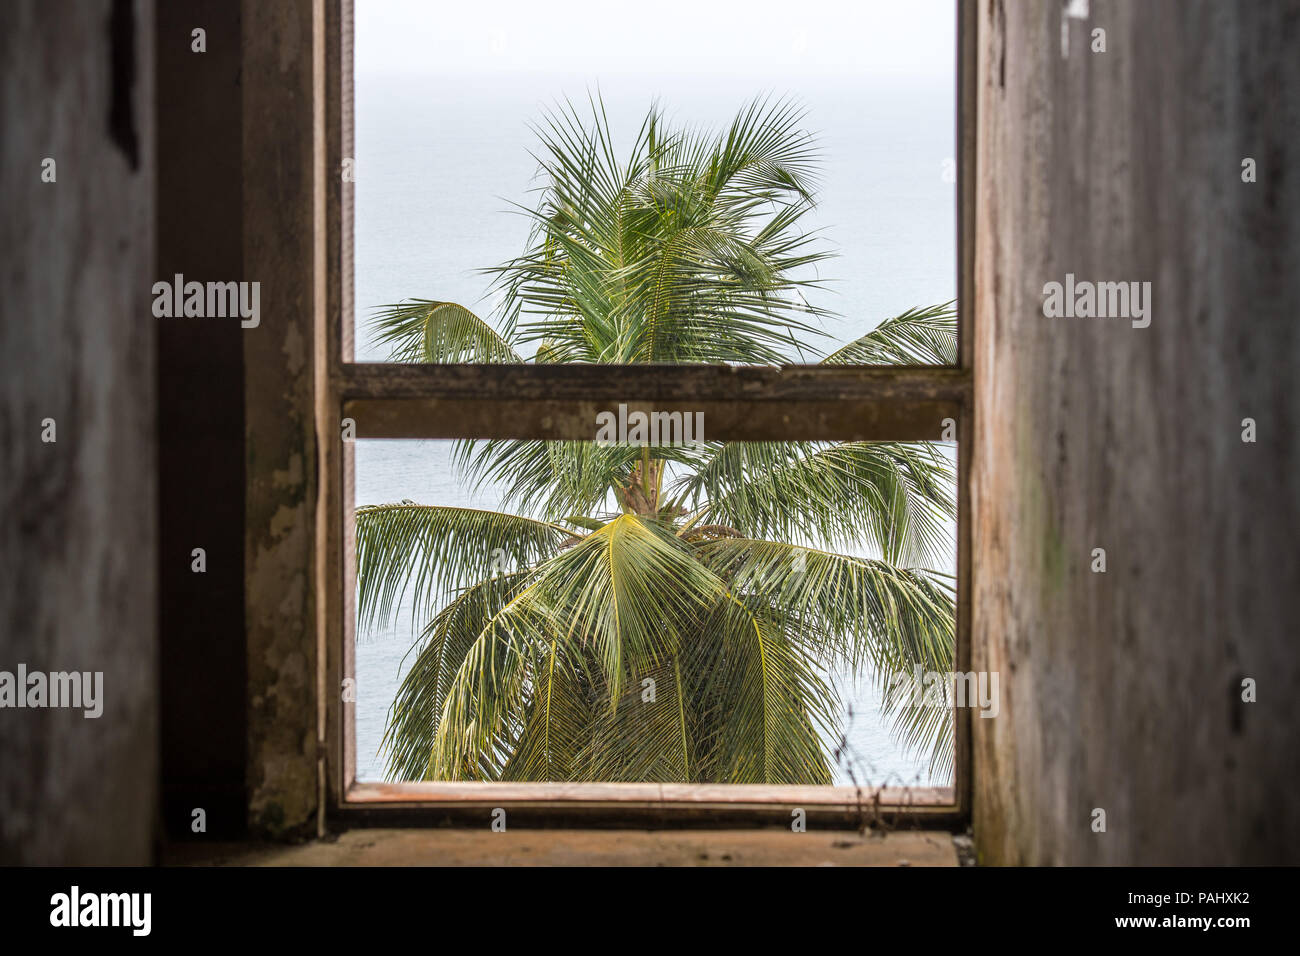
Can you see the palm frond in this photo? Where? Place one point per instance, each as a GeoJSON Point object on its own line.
{"type": "Point", "coordinates": [631, 590]}
{"type": "Point", "coordinates": [689, 251]}
{"type": "Point", "coordinates": [551, 479]}
{"type": "Point", "coordinates": [423, 330]}
{"type": "Point", "coordinates": [921, 727]}
{"type": "Point", "coordinates": [920, 336]}
{"type": "Point", "coordinates": [651, 734]}
{"type": "Point", "coordinates": [874, 619]}
{"type": "Point", "coordinates": [845, 609]}
{"type": "Point", "coordinates": [566, 705]}
{"type": "Point", "coordinates": [769, 707]}
{"type": "Point", "coordinates": [432, 550]}
{"type": "Point", "coordinates": [898, 496]}
{"type": "Point", "coordinates": [482, 716]}
{"type": "Point", "coordinates": [625, 593]}
{"type": "Point", "coordinates": [444, 644]}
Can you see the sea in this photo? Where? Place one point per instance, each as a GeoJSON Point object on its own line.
{"type": "Point", "coordinates": [441, 165]}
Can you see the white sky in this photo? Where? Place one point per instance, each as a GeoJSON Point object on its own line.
{"type": "Point", "coordinates": [902, 38]}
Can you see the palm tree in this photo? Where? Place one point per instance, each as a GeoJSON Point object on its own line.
{"type": "Point", "coordinates": [667, 613]}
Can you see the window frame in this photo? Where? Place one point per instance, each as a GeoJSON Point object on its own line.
{"type": "Point", "coordinates": [557, 402]}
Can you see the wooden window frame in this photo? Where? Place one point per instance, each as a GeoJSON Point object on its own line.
{"type": "Point", "coordinates": [559, 402]}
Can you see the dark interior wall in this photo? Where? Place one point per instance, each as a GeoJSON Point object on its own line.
{"type": "Point", "coordinates": [201, 422]}
{"type": "Point", "coordinates": [78, 542]}
{"type": "Point", "coordinates": [238, 155]}
{"type": "Point", "coordinates": [1121, 690]}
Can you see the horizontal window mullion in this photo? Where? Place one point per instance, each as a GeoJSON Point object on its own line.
{"type": "Point", "coordinates": [578, 420]}
{"type": "Point", "coordinates": [678, 383]}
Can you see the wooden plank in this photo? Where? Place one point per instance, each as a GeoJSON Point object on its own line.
{"type": "Point", "coordinates": [967, 100]}
{"type": "Point", "coordinates": [336, 743]}
{"type": "Point", "coordinates": [498, 794]}
{"type": "Point", "coordinates": [576, 419]}
{"type": "Point", "coordinates": [644, 804]}
{"type": "Point", "coordinates": [678, 383]}
{"type": "Point", "coordinates": [521, 847]}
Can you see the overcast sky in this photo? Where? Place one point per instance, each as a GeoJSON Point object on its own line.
{"type": "Point", "coordinates": [913, 38]}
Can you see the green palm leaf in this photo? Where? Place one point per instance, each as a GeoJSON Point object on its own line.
{"type": "Point", "coordinates": [626, 593]}
{"type": "Point", "coordinates": [650, 734]}
{"type": "Point", "coordinates": [844, 609]}
{"type": "Point", "coordinates": [427, 331]}
{"type": "Point", "coordinates": [925, 336]}
{"type": "Point", "coordinates": [432, 550]}
{"type": "Point", "coordinates": [770, 707]}
{"type": "Point", "coordinates": [922, 728]}
{"type": "Point", "coordinates": [689, 251]}
{"type": "Point", "coordinates": [897, 495]}
{"type": "Point", "coordinates": [439, 654]}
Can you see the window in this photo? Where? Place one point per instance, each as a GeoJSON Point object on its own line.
{"type": "Point", "coordinates": [557, 399]}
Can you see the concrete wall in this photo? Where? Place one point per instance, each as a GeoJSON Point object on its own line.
{"type": "Point", "coordinates": [1122, 690]}
{"type": "Point", "coordinates": [78, 586]}
{"type": "Point", "coordinates": [239, 148]}
{"type": "Point", "coordinates": [284, 250]}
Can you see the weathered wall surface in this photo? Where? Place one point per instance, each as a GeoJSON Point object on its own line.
{"type": "Point", "coordinates": [1122, 690]}
{"type": "Point", "coordinates": [78, 584]}
{"type": "Point", "coordinates": [238, 141]}
{"type": "Point", "coordinates": [283, 224]}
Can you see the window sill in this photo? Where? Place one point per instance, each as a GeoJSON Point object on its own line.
{"type": "Point", "coordinates": [646, 805]}
{"type": "Point", "coordinates": [482, 847]}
